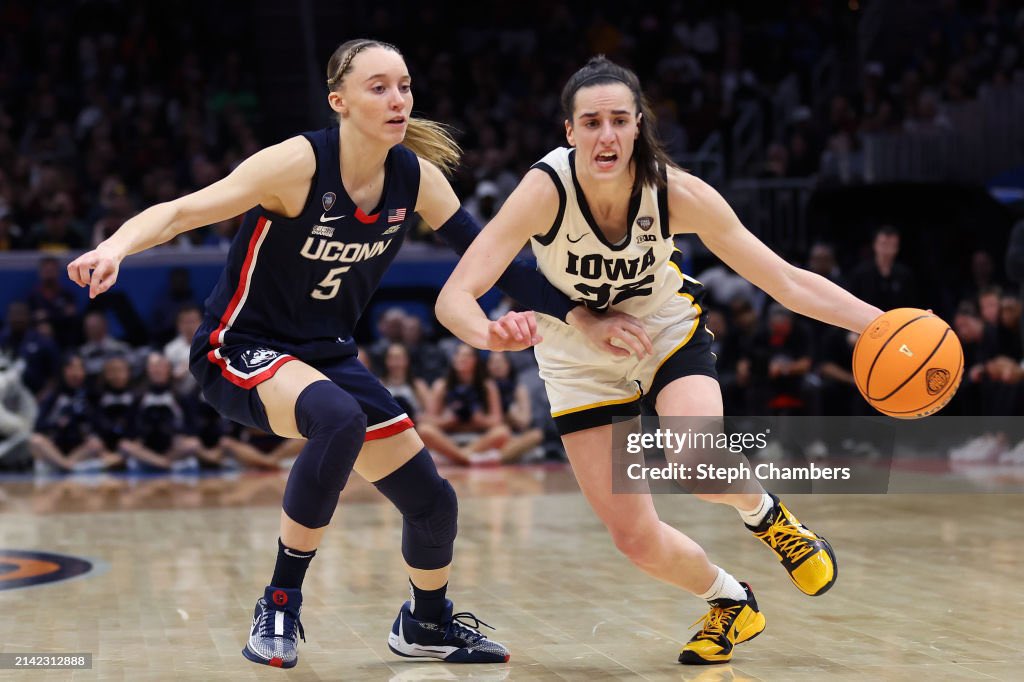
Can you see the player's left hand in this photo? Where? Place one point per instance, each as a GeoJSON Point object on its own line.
{"type": "Point", "coordinates": [513, 331]}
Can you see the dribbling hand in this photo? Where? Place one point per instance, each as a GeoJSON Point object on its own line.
{"type": "Point", "coordinates": [96, 270]}
{"type": "Point", "coordinates": [513, 331]}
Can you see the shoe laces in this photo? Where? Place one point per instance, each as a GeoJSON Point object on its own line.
{"type": "Point", "coordinates": [787, 538]}
{"type": "Point", "coordinates": [267, 625]}
{"type": "Point", "coordinates": [716, 621]}
{"type": "Point", "coordinates": [460, 627]}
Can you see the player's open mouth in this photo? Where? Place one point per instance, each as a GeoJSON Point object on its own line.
{"type": "Point", "coordinates": [606, 160]}
{"type": "Point", "coordinates": [397, 121]}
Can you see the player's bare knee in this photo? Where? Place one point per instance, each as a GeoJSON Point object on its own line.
{"type": "Point", "coordinates": [638, 542]}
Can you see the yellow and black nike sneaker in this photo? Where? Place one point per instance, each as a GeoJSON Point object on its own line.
{"type": "Point", "coordinates": [728, 623]}
{"type": "Point", "coordinates": [806, 556]}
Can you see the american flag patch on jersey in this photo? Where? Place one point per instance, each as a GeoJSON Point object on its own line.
{"type": "Point", "coordinates": [396, 215]}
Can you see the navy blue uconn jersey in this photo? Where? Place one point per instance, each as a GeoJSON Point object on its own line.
{"type": "Point", "coordinates": [299, 285]}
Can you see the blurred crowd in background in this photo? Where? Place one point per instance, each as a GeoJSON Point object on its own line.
{"type": "Point", "coordinates": [109, 107]}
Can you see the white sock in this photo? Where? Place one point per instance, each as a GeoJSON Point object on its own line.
{"type": "Point", "coordinates": [725, 586]}
{"type": "Point", "coordinates": [755, 516]}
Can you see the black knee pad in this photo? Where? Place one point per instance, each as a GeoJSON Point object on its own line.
{"type": "Point", "coordinates": [430, 511]}
{"type": "Point", "coordinates": [335, 427]}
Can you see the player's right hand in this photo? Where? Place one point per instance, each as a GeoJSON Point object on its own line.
{"type": "Point", "coordinates": [513, 331]}
{"type": "Point", "coordinates": [614, 332]}
{"type": "Point", "coordinates": [95, 269]}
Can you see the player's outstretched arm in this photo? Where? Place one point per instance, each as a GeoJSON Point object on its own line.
{"type": "Point", "coordinates": [439, 206]}
{"type": "Point", "coordinates": [695, 206]}
{"type": "Point", "coordinates": [534, 202]}
{"type": "Point", "coordinates": [258, 180]}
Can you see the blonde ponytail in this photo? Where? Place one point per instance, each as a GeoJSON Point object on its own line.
{"type": "Point", "coordinates": [432, 141]}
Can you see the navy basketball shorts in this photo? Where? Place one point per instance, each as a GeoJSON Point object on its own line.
{"type": "Point", "coordinates": [228, 376]}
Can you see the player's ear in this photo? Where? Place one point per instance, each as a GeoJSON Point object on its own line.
{"type": "Point", "coordinates": [568, 133]}
{"type": "Point", "coordinates": [639, 119]}
{"type": "Point", "coordinates": [337, 102]}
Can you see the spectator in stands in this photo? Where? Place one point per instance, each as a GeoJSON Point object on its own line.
{"type": "Point", "coordinates": [515, 404]}
{"type": "Point", "coordinates": [53, 299]}
{"type": "Point", "coordinates": [180, 294]}
{"type": "Point", "coordinates": [99, 346]}
{"type": "Point", "coordinates": [20, 340]}
{"type": "Point", "coordinates": [115, 404]}
{"type": "Point", "coordinates": [221, 443]}
{"type": "Point", "coordinates": [979, 345]}
{"type": "Point", "coordinates": [159, 442]}
{"type": "Point", "coordinates": [466, 423]}
{"type": "Point", "coordinates": [988, 304]}
{"type": "Point", "coordinates": [882, 281]}
{"type": "Point", "coordinates": [187, 321]}
{"type": "Point", "coordinates": [389, 331]}
{"type": "Point", "coordinates": [735, 358]}
{"type": "Point", "coordinates": [1008, 328]}
{"type": "Point", "coordinates": [427, 359]}
{"type": "Point", "coordinates": [412, 393]}
{"type": "Point", "coordinates": [1015, 258]}
{"type": "Point", "coordinates": [822, 261]}
{"type": "Point", "coordinates": [116, 207]}
{"type": "Point", "coordinates": [834, 365]}
{"type": "Point", "coordinates": [781, 356]}
{"type": "Point", "coordinates": [484, 203]}
{"type": "Point", "coordinates": [58, 231]}
{"type": "Point", "coordinates": [18, 413]}
{"type": "Point", "coordinates": [11, 234]}
{"type": "Point", "coordinates": [63, 440]}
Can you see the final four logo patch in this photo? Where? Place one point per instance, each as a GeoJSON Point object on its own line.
{"type": "Point", "coordinates": [645, 222]}
{"type": "Point", "coordinates": [329, 200]}
{"type": "Point", "coordinates": [20, 568]}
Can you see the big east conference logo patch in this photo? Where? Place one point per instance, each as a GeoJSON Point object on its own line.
{"type": "Point", "coordinates": [20, 568]}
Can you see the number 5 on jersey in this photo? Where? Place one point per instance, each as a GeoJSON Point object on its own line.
{"type": "Point", "coordinates": [329, 285]}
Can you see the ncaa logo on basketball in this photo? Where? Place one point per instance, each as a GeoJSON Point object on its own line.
{"type": "Point", "coordinates": [645, 222]}
{"type": "Point", "coordinates": [20, 568]}
{"type": "Point", "coordinates": [329, 199]}
{"type": "Point", "coordinates": [880, 329]}
{"type": "Point", "coordinates": [936, 380]}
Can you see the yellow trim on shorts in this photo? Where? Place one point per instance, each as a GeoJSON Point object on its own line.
{"type": "Point", "coordinates": [603, 403]}
{"type": "Point", "coordinates": [693, 330]}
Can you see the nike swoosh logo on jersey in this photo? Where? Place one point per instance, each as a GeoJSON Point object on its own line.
{"type": "Point", "coordinates": [573, 241]}
{"type": "Point", "coordinates": [324, 218]}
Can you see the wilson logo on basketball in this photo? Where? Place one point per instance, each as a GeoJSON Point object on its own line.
{"type": "Point", "coordinates": [279, 597]}
{"type": "Point", "coordinates": [936, 379]}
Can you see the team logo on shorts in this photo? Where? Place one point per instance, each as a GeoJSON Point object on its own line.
{"type": "Point", "coordinates": [645, 222]}
{"type": "Point", "coordinates": [329, 199]}
{"type": "Point", "coordinates": [256, 358]}
{"type": "Point", "coordinates": [936, 379]}
{"type": "Point", "coordinates": [19, 568]}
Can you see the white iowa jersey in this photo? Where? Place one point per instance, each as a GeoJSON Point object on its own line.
{"type": "Point", "coordinates": [637, 275]}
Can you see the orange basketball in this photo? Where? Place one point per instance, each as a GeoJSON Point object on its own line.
{"type": "Point", "coordinates": [908, 363]}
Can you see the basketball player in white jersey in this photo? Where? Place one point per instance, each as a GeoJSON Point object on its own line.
{"type": "Point", "coordinates": [601, 216]}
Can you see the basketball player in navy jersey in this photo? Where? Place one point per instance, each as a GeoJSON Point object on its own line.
{"type": "Point", "coordinates": [325, 214]}
{"type": "Point", "coordinates": [601, 216]}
